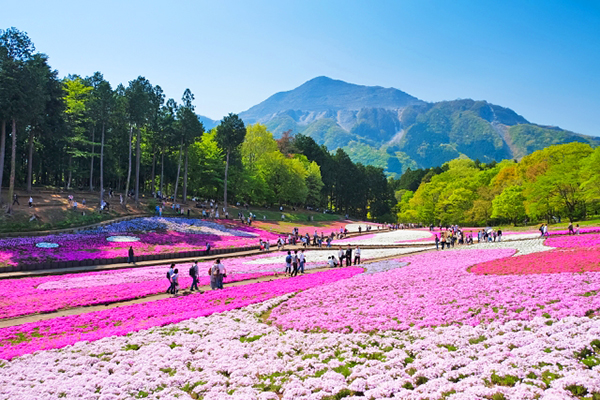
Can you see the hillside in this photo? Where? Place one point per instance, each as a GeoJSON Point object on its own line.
{"type": "Point", "coordinates": [389, 128]}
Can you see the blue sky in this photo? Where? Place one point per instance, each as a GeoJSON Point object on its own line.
{"type": "Point", "coordinates": [540, 58]}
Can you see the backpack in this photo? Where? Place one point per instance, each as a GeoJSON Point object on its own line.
{"type": "Point", "coordinates": [288, 259]}
{"type": "Point", "coordinates": [215, 270]}
{"type": "Point", "coordinates": [192, 271]}
{"type": "Point", "coordinates": [168, 275]}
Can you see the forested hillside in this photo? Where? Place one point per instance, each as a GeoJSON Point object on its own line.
{"type": "Point", "coordinates": [561, 181]}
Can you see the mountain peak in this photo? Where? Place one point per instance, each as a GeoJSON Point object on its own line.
{"type": "Point", "coordinates": [324, 94]}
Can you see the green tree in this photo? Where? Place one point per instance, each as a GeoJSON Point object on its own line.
{"type": "Point", "coordinates": [230, 135]}
{"type": "Point", "coordinates": [509, 205]}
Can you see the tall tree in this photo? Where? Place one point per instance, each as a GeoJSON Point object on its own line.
{"type": "Point", "coordinates": [139, 94]}
{"type": "Point", "coordinates": [101, 104]}
{"type": "Point", "coordinates": [17, 51]}
{"type": "Point", "coordinates": [230, 134]}
{"type": "Point", "coordinates": [190, 129]}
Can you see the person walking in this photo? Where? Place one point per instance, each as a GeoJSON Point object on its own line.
{"type": "Point", "coordinates": [341, 256]}
{"type": "Point", "coordinates": [499, 234]}
{"type": "Point", "coordinates": [194, 275]}
{"type": "Point", "coordinates": [131, 256]}
{"type": "Point", "coordinates": [437, 242]}
{"type": "Point", "coordinates": [302, 260]}
{"type": "Point", "coordinates": [30, 201]}
{"type": "Point", "coordinates": [15, 200]}
{"type": "Point", "coordinates": [214, 275]}
{"type": "Point", "coordinates": [222, 274]}
{"type": "Point", "coordinates": [348, 256]}
{"type": "Point", "coordinates": [170, 273]}
{"type": "Point", "coordinates": [175, 281]}
{"type": "Point", "coordinates": [443, 239]}
{"type": "Point", "coordinates": [288, 263]}
{"type": "Point", "coordinates": [295, 263]}
{"type": "Point", "coordinates": [357, 256]}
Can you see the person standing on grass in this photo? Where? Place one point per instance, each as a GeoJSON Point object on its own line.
{"type": "Point", "coordinates": [194, 275]}
{"type": "Point", "coordinates": [131, 256]}
{"type": "Point", "coordinates": [295, 263]}
{"type": "Point", "coordinates": [170, 273]}
{"type": "Point", "coordinates": [348, 256]}
{"type": "Point", "coordinates": [175, 281]}
{"type": "Point", "coordinates": [357, 255]}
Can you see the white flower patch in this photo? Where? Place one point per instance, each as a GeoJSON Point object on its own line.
{"type": "Point", "coordinates": [522, 246]}
{"type": "Point", "coordinates": [234, 355]}
{"type": "Point", "coordinates": [321, 256]}
{"type": "Point", "coordinates": [388, 237]}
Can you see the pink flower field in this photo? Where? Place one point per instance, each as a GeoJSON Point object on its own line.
{"type": "Point", "coordinates": [436, 289]}
{"type": "Point", "coordinates": [63, 331]}
{"type": "Point", "coordinates": [146, 236]}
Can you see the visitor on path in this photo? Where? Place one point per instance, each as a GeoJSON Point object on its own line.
{"type": "Point", "coordinates": [357, 255]}
{"type": "Point", "coordinates": [175, 281]}
{"type": "Point", "coordinates": [341, 256]}
{"type": "Point", "coordinates": [437, 241]}
{"type": "Point", "coordinates": [443, 239]}
{"type": "Point", "coordinates": [30, 201]}
{"type": "Point", "coordinates": [302, 260]}
{"type": "Point", "coordinates": [207, 251]}
{"type": "Point", "coordinates": [74, 205]}
{"type": "Point", "coordinates": [130, 258]}
{"type": "Point", "coordinates": [170, 273]}
{"type": "Point", "coordinates": [15, 199]}
{"type": "Point", "coordinates": [577, 229]}
{"type": "Point", "coordinates": [499, 235]}
{"type": "Point", "coordinates": [295, 261]}
{"type": "Point", "coordinates": [571, 230]}
{"type": "Point", "coordinates": [348, 256]}
{"type": "Point", "coordinates": [215, 271]}
{"type": "Point", "coordinates": [222, 274]}
{"type": "Point", "coordinates": [194, 275]}
{"type": "Point", "coordinates": [288, 263]}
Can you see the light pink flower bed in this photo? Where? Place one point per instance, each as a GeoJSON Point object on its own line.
{"type": "Point", "coordinates": [435, 289]}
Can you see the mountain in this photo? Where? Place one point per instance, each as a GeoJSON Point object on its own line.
{"type": "Point", "coordinates": [389, 128]}
{"type": "Point", "coordinates": [207, 122]}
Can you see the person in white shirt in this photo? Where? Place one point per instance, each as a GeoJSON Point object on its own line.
{"type": "Point", "coordinates": [175, 281]}
{"type": "Point", "coordinates": [341, 256]}
{"type": "Point", "coordinates": [357, 255]}
{"type": "Point", "coordinates": [331, 262]}
{"type": "Point", "coordinates": [302, 261]}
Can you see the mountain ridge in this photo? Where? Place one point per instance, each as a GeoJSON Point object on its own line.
{"type": "Point", "coordinates": [393, 129]}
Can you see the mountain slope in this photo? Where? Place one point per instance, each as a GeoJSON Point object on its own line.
{"type": "Point", "coordinates": [390, 128]}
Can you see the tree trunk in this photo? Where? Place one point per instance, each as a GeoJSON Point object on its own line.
{"type": "Point", "coordinates": [102, 166]}
{"type": "Point", "coordinates": [30, 162]}
{"type": "Point", "coordinates": [153, 189]}
{"type": "Point", "coordinates": [162, 172]}
{"type": "Point", "coordinates": [92, 161]}
{"type": "Point", "coordinates": [129, 168]}
{"type": "Point", "coordinates": [185, 176]}
{"type": "Point", "coordinates": [13, 165]}
{"type": "Point", "coordinates": [225, 189]}
{"type": "Point", "coordinates": [178, 170]}
{"type": "Point", "coordinates": [2, 151]}
{"type": "Point", "coordinates": [70, 171]}
{"type": "Point", "coordinates": [137, 165]}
